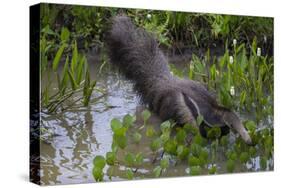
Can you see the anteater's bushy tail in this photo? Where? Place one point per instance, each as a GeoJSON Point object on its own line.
{"type": "Point", "coordinates": [134, 51]}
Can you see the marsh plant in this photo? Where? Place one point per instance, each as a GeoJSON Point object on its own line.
{"type": "Point", "coordinates": [72, 78]}
{"type": "Point", "coordinates": [243, 81]}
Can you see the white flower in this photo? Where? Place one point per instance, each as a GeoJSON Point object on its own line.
{"type": "Point", "coordinates": [191, 66]}
{"type": "Point", "coordinates": [230, 59]}
{"type": "Point", "coordinates": [232, 91]}
{"type": "Point", "coordinates": [259, 52]}
{"type": "Point", "coordinates": [148, 16]}
{"type": "Point", "coordinates": [234, 42]}
{"type": "Point", "coordinates": [264, 39]}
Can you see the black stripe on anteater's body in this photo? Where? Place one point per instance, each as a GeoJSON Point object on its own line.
{"type": "Point", "coordinates": [136, 53]}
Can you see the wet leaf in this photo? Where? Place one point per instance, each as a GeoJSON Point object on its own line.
{"type": "Point", "coordinates": [110, 158]}
{"type": "Point", "coordinates": [115, 125]}
{"type": "Point", "coordinates": [150, 132]}
{"type": "Point", "coordinates": [230, 165]}
{"type": "Point", "coordinates": [193, 161]}
{"type": "Point", "coordinates": [145, 115]}
{"type": "Point", "coordinates": [157, 171]}
{"type": "Point", "coordinates": [212, 170]}
{"type": "Point", "coordinates": [181, 136]}
{"type": "Point", "coordinates": [164, 163]}
{"type": "Point", "coordinates": [129, 159]}
{"type": "Point", "coordinates": [195, 170]}
{"type": "Point", "coordinates": [128, 120]}
{"type": "Point", "coordinates": [165, 126]}
{"type": "Point", "coordinates": [129, 174]}
{"type": "Point", "coordinates": [64, 36]}
{"type": "Point", "coordinates": [99, 161]}
{"type": "Point", "coordinates": [98, 174]}
{"type": "Point", "coordinates": [182, 152]}
{"type": "Point", "coordinates": [156, 144]}
{"type": "Point", "coordinates": [58, 57]}
{"type": "Point", "coordinates": [137, 137]}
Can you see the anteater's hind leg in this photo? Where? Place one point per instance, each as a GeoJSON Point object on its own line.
{"type": "Point", "coordinates": [171, 105]}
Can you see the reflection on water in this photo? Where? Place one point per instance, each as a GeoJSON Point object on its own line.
{"type": "Point", "coordinates": [80, 134]}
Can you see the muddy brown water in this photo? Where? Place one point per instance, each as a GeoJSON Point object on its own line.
{"type": "Point", "coordinates": [73, 138]}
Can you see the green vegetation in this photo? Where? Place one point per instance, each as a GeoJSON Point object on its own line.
{"type": "Point", "coordinates": [243, 82]}
{"type": "Point", "coordinates": [241, 76]}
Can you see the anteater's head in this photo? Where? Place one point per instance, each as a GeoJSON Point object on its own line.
{"type": "Point", "coordinates": [234, 123]}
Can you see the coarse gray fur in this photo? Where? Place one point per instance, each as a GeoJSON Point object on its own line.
{"type": "Point", "coordinates": [136, 53]}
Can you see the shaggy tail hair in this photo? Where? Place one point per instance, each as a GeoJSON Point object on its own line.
{"type": "Point", "coordinates": [136, 53]}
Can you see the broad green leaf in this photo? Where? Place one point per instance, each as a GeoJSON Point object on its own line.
{"type": "Point", "coordinates": [72, 80]}
{"type": "Point", "coordinates": [129, 159]}
{"type": "Point", "coordinates": [110, 158]}
{"type": "Point", "coordinates": [195, 170]}
{"type": "Point", "coordinates": [58, 57]}
{"type": "Point", "coordinates": [137, 137]}
{"type": "Point", "coordinates": [64, 36]}
{"type": "Point", "coordinates": [115, 124]}
{"type": "Point", "coordinates": [157, 171]}
{"type": "Point", "coordinates": [129, 174]}
{"type": "Point", "coordinates": [146, 114]}
{"type": "Point", "coordinates": [164, 163]}
{"type": "Point", "coordinates": [98, 174]}
{"type": "Point", "coordinates": [74, 57]}
{"type": "Point", "coordinates": [99, 161]}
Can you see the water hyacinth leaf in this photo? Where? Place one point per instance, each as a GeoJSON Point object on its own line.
{"type": "Point", "coordinates": [195, 170]}
{"type": "Point", "coordinates": [190, 129]}
{"type": "Point", "coordinates": [58, 57]}
{"type": "Point", "coordinates": [171, 147]}
{"type": "Point", "coordinates": [156, 144]}
{"type": "Point", "coordinates": [204, 155]}
{"type": "Point", "coordinates": [139, 159]}
{"type": "Point", "coordinates": [214, 132]}
{"type": "Point", "coordinates": [110, 158]}
{"type": "Point", "coordinates": [129, 174]}
{"type": "Point", "coordinates": [182, 152]}
{"type": "Point", "coordinates": [224, 141]}
{"type": "Point", "coordinates": [251, 126]}
{"type": "Point", "coordinates": [253, 151]}
{"type": "Point", "coordinates": [193, 161]}
{"type": "Point", "coordinates": [212, 170]}
{"type": "Point", "coordinates": [195, 149]}
{"type": "Point", "coordinates": [157, 171]}
{"type": "Point", "coordinates": [98, 174]}
{"type": "Point", "coordinates": [150, 132]}
{"type": "Point", "coordinates": [244, 157]}
{"type": "Point", "coordinates": [230, 165]}
{"type": "Point", "coordinates": [263, 163]}
{"type": "Point", "coordinates": [181, 136]}
{"type": "Point", "coordinates": [121, 141]}
{"type": "Point", "coordinates": [145, 115]}
{"type": "Point", "coordinates": [99, 161]}
{"type": "Point", "coordinates": [165, 137]}
{"type": "Point", "coordinates": [137, 137]}
{"type": "Point", "coordinates": [129, 159]}
{"type": "Point", "coordinates": [165, 126]}
{"type": "Point", "coordinates": [64, 36]}
{"type": "Point", "coordinates": [164, 163]}
{"type": "Point", "coordinates": [115, 124]}
{"type": "Point", "coordinates": [128, 120]}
